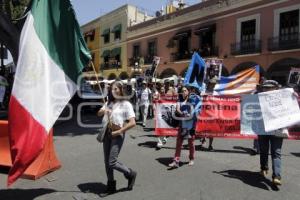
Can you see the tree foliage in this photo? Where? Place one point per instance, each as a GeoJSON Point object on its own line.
{"type": "Point", "coordinates": [11, 23]}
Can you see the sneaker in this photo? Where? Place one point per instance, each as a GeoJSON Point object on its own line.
{"type": "Point", "coordinates": [164, 141]}
{"type": "Point", "coordinates": [264, 173]}
{"type": "Point", "coordinates": [276, 181]}
{"type": "Point", "coordinates": [159, 145]}
{"type": "Point", "coordinates": [191, 163]}
{"type": "Point", "coordinates": [210, 148]}
{"type": "Point", "coordinates": [174, 164]}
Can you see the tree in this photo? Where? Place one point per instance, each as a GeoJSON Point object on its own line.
{"type": "Point", "coordinates": [11, 23]}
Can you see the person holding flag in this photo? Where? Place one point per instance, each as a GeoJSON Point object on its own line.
{"type": "Point", "coordinates": [122, 118]}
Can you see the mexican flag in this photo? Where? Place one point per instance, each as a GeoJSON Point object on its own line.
{"type": "Point", "coordinates": [52, 55]}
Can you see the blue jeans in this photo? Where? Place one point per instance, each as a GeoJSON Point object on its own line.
{"type": "Point", "coordinates": [276, 143]}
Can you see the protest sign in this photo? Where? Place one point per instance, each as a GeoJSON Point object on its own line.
{"type": "Point", "coordinates": [165, 124]}
{"type": "Point", "coordinates": [279, 108]}
{"type": "Point", "coordinates": [294, 77]}
{"type": "Point", "coordinates": [219, 116]}
{"type": "Point", "coordinates": [251, 117]}
{"type": "Point", "coordinates": [213, 69]}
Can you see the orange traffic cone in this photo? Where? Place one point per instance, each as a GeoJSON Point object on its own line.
{"type": "Point", "coordinates": [45, 163]}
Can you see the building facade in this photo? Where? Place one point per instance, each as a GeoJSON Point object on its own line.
{"type": "Point", "coordinates": [91, 33]}
{"type": "Point", "coordinates": [241, 32]}
{"type": "Point", "coordinates": [106, 37]}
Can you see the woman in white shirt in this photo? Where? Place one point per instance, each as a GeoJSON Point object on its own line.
{"type": "Point", "coordinates": [122, 118]}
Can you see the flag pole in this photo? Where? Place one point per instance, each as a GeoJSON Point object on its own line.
{"type": "Point", "coordinates": [98, 82]}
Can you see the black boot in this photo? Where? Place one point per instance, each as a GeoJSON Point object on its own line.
{"type": "Point", "coordinates": [110, 189]}
{"type": "Point", "coordinates": [131, 179]}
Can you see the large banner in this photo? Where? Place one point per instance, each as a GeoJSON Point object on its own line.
{"type": "Point", "coordinates": [280, 109]}
{"type": "Point", "coordinates": [165, 124]}
{"type": "Point", "coordinates": [219, 116]}
{"type": "Point", "coordinates": [241, 83]}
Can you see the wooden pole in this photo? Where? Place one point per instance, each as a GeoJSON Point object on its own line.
{"type": "Point", "coordinates": [98, 82]}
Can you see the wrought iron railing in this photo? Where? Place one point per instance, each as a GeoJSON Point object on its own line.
{"type": "Point", "coordinates": [246, 47]}
{"type": "Point", "coordinates": [284, 42]}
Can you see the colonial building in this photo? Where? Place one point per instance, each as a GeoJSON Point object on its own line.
{"type": "Point", "coordinates": [91, 33]}
{"type": "Point", "coordinates": [106, 37]}
{"type": "Point", "coordinates": [241, 32]}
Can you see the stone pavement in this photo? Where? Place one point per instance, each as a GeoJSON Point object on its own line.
{"type": "Point", "coordinates": [228, 173]}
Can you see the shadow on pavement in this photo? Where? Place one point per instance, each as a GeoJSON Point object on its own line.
{"type": "Point", "coordinates": [24, 194]}
{"type": "Point", "coordinates": [4, 170]}
{"type": "Point", "coordinates": [96, 188]}
{"type": "Point", "coordinates": [71, 128]}
{"type": "Point", "coordinates": [246, 149]}
{"type": "Point", "coordinates": [165, 161]}
{"type": "Point", "coordinates": [149, 144]}
{"type": "Point", "coordinates": [149, 129]}
{"type": "Point", "coordinates": [296, 154]}
{"type": "Point", "coordinates": [253, 179]}
{"type": "Point", "coordinates": [151, 136]}
{"type": "Point", "coordinates": [226, 151]}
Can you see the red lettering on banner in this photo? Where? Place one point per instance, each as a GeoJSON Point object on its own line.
{"type": "Point", "coordinates": [219, 116]}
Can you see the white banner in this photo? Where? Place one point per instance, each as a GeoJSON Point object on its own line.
{"type": "Point", "coordinates": [280, 109]}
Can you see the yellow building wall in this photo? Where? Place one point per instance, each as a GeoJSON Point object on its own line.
{"type": "Point", "coordinates": [94, 47]}
{"type": "Point", "coordinates": [110, 21]}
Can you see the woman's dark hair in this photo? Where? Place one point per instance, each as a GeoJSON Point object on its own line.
{"type": "Point", "coordinates": [180, 94]}
{"type": "Point", "coordinates": [120, 86]}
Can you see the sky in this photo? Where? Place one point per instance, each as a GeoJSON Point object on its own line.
{"type": "Point", "coordinates": [87, 10]}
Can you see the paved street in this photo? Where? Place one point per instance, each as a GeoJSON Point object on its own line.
{"type": "Point", "coordinates": [228, 173]}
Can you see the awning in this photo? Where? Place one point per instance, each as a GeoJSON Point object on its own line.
{"type": "Point", "coordinates": [105, 32]}
{"type": "Point", "coordinates": [182, 34]}
{"type": "Point", "coordinates": [117, 28]}
{"type": "Point", "coordinates": [105, 53]}
{"type": "Point", "coordinates": [204, 29]}
{"type": "Point", "coordinates": [116, 51]}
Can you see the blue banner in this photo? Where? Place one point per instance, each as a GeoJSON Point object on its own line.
{"type": "Point", "coordinates": [195, 73]}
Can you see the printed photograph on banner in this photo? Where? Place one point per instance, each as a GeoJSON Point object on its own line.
{"type": "Point", "coordinates": [213, 69]}
{"type": "Point", "coordinates": [294, 77]}
{"type": "Point", "coordinates": [165, 123]}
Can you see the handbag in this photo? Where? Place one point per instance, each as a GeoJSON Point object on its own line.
{"type": "Point", "coordinates": [103, 128]}
{"type": "Point", "coordinates": [281, 133]}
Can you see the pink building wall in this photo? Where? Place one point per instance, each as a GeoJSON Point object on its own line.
{"type": "Point", "coordinates": [226, 29]}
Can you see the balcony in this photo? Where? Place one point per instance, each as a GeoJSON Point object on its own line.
{"type": "Point", "coordinates": [147, 60]}
{"type": "Point", "coordinates": [286, 42]}
{"type": "Point", "coordinates": [209, 52]}
{"type": "Point", "coordinates": [108, 66]}
{"type": "Point", "coordinates": [181, 56]}
{"type": "Point", "coordinates": [246, 47]}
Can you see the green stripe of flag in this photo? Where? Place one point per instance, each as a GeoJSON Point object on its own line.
{"type": "Point", "coordinates": [56, 25]}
